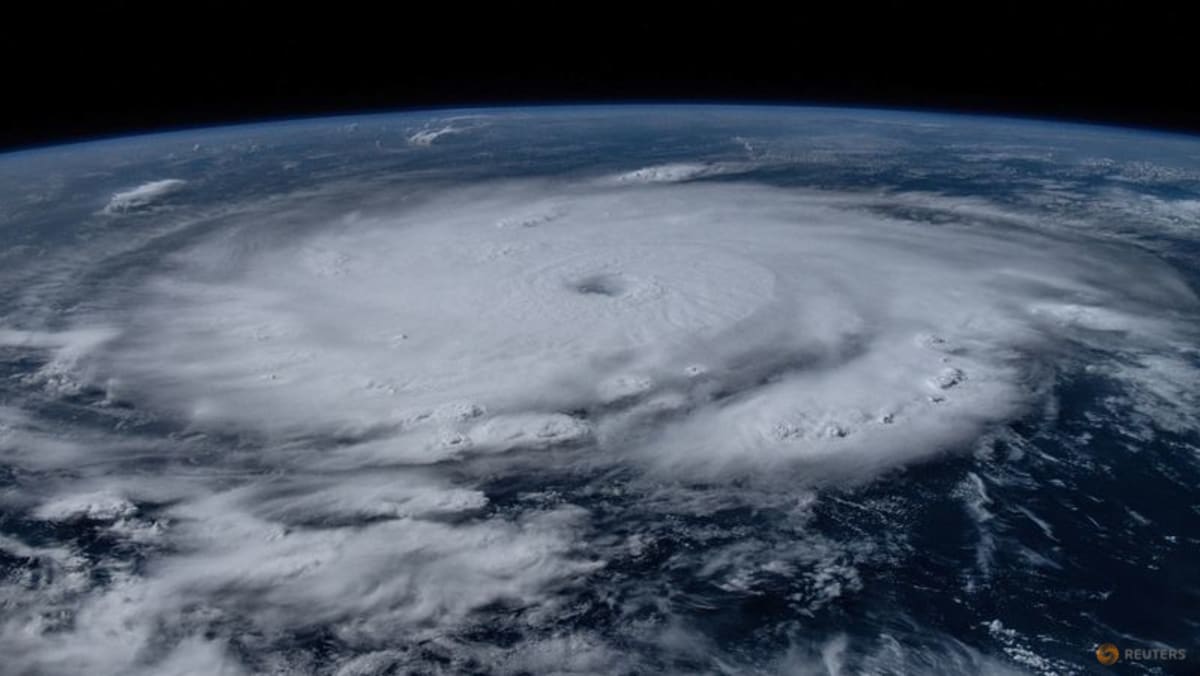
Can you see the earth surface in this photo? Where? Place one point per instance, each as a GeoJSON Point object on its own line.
{"type": "Point", "coordinates": [601, 390]}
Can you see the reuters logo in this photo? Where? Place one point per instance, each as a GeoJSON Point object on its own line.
{"type": "Point", "coordinates": [1107, 654]}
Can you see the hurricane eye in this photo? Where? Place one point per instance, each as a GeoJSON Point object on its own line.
{"type": "Point", "coordinates": [600, 285]}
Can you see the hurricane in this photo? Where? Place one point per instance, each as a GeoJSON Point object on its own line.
{"type": "Point", "coordinates": [691, 390]}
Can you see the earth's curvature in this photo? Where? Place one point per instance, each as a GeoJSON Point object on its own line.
{"type": "Point", "coordinates": [623, 390]}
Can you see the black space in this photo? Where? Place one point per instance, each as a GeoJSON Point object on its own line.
{"type": "Point", "coordinates": [73, 72]}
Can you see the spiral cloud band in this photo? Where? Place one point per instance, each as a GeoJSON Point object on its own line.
{"type": "Point", "coordinates": [372, 378]}
{"type": "Point", "coordinates": [705, 329]}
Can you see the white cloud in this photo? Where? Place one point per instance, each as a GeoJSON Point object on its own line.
{"type": "Point", "coordinates": [671, 173]}
{"type": "Point", "coordinates": [426, 137]}
{"type": "Point", "coordinates": [404, 576]}
{"type": "Point", "coordinates": [436, 129]}
{"type": "Point", "coordinates": [813, 314]}
{"type": "Point", "coordinates": [143, 195]}
{"type": "Point", "coordinates": [362, 380]}
{"type": "Point", "coordinates": [103, 506]}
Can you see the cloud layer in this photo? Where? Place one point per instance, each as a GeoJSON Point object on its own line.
{"type": "Point", "coordinates": [143, 195]}
{"type": "Point", "coordinates": [705, 329]}
{"type": "Point", "coordinates": [351, 400]}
